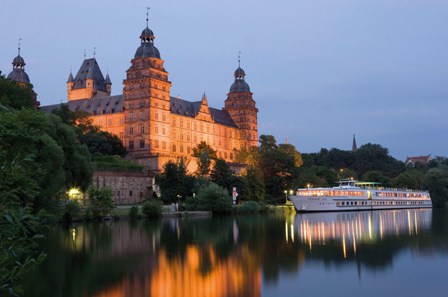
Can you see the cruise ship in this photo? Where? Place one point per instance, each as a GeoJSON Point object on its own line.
{"type": "Point", "coordinates": [357, 195]}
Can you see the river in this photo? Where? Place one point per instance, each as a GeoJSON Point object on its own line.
{"type": "Point", "coordinates": [380, 253]}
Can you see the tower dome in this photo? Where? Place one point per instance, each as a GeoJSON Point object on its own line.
{"type": "Point", "coordinates": [240, 84]}
{"type": "Point", "coordinates": [147, 48]}
{"type": "Point", "coordinates": [18, 73]}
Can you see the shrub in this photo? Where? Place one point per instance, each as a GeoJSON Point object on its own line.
{"type": "Point", "coordinates": [152, 209]}
{"type": "Point", "coordinates": [71, 211]}
{"type": "Point", "coordinates": [100, 201]}
{"type": "Point", "coordinates": [212, 198]}
{"type": "Point", "coordinates": [133, 212]}
{"type": "Point", "coordinates": [249, 207]}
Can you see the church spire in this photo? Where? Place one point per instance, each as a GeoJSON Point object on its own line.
{"type": "Point", "coordinates": [354, 146]}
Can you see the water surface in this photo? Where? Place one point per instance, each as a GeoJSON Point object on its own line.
{"type": "Point", "coordinates": [380, 253]}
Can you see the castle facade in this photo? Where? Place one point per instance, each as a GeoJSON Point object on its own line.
{"type": "Point", "coordinates": [154, 126]}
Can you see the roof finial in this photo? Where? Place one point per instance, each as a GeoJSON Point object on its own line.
{"type": "Point", "coordinates": [239, 58]}
{"type": "Point", "coordinates": [20, 40]}
{"type": "Point", "coordinates": [147, 16]}
{"type": "Point", "coordinates": [84, 54]}
{"type": "Point", "coordinates": [94, 52]}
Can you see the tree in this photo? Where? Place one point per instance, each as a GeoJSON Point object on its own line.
{"type": "Point", "coordinates": [204, 154]}
{"type": "Point", "coordinates": [255, 184]}
{"type": "Point", "coordinates": [436, 181]}
{"type": "Point", "coordinates": [14, 96]}
{"type": "Point", "coordinates": [174, 181]}
{"type": "Point", "coordinates": [376, 176]}
{"type": "Point", "coordinates": [277, 166]}
{"type": "Point", "coordinates": [222, 175]}
{"type": "Point", "coordinates": [101, 201]}
{"type": "Point", "coordinates": [374, 157]}
{"type": "Point", "coordinates": [98, 142]}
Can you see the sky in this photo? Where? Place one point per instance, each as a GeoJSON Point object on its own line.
{"type": "Point", "coordinates": [320, 70]}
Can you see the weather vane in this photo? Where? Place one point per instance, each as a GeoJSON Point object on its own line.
{"type": "Point", "coordinates": [147, 16]}
{"type": "Point", "coordinates": [94, 51]}
{"type": "Point", "coordinates": [20, 40]}
{"type": "Point", "coordinates": [239, 58]}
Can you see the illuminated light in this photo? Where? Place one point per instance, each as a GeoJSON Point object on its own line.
{"type": "Point", "coordinates": [74, 194]}
{"type": "Point", "coordinates": [409, 223]}
{"type": "Point", "coordinates": [286, 231]}
{"type": "Point", "coordinates": [370, 226]}
{"type": "Point", "coordinates": [415, 222]}
{"type": "Point", "coordinates": [74, 234]}
{"type": "Point", "coordinates": [292, 233]}
{"type": "Point", "coordinates": [344, 250]}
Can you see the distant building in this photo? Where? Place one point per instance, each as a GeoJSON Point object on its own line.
{"type": "Point", "coordinates": [154, 126]}
{"type": "Point", "coordinates": [412, 161]}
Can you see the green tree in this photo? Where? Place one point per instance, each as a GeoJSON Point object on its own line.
{"type": "Point", "coordinates": [277, 166]}
{"type": "Point", "coordinates": [222, 175]}
{"type": "Point", "coordinates": [14, 96]}
{"type": "Point", "coordinates": [255, 183]}
{"type": "Point", "coordinates": [204, 154]}
{"type": "Point", "coordinates": [211, 198]}
{"type": "Point", "coordinates": [101, 201]}
{"type": "Point", "coordinates": [374, 157]}
{"type": "Point", "coordinates": [436, 181]}
{"type": "Point", "coordinates": [174, 181]}
{"type": "Point", "coordinates": [376, 176]}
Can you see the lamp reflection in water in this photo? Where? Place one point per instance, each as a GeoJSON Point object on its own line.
{"type": "Point", "coordinates": [353, 228]}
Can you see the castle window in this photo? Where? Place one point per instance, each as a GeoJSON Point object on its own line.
{"type": "Point", "coordinates": [142, 143]}
{"type": "Point", "coordinates": [156, 116]}
{"type": "Point", "coordinates": [156, 144]}
{"type": "Point", "coordinates": [131, 130]}
{"type": "Point", "coordinates": [225, 155]}
{"type": "Point", "coordinates": [231, 156]}
{"type": "Point", "coordinates": [188, 137]}
{"type": "Point", "coordinates": [130, 193]}
{"type": "Point", "coordinates": [164, 145]}
{"type": "Point", "coordinates": [131, 144]}
{"type": "Point", "coordinates": [181, 149]}
{"type": "Point", "coordinates": [174, 148]}
{"type": "Point", "coordinates": [142, 129]}
{"type": "Point", "coordinates": [163, 117]}
{"type": "Point", "coordinates": [156, 130]}
{"type": "Point", "coordinates": [121, 135]}
{"type": "Point", "coordinates": [181, 136]}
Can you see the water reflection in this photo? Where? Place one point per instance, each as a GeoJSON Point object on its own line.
{"type": "Point", "coordinates": [224, 256]}
{"type": "Point", "coordinates": [354, 228]}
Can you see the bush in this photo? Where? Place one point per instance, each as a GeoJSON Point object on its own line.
{"type": "Point", "coordinates": [211, 198]}
{"type": "Point", "coordinates": [133, 212]}
{"type": "Point", "coordinates": [71, 211]}
{"type": "Point", "coordinates": [152, 209]}
{"type": "Point", "coordinates": [249, 207]}
{"type": "Point", "coordinates": [100, 201]}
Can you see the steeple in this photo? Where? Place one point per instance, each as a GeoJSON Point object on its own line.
{"type": "Point", "coordinates": [354, 146]}
{"type": "Point", "coordinates": [240, 84]}
{"type": "Point", "coordinates": [18, 73]}
{"type": "Point", "coordinates": [147, 48]}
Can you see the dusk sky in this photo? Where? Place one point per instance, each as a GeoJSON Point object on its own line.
{"type": "Point", "coordinates": [320, 70]}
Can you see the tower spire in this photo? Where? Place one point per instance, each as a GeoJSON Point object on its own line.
{"type": "Point", "coordinates": [354, 146]}
{"type": "Point", "coordinates": [20, 40]}
{"type": "Point", "coordinates": [147, 17]}
{"type": "Point", "coordinates": [239, 58]}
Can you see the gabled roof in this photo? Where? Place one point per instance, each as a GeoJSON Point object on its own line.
{"type": "Point", "coordinates": [90, 70]}
{"type": "Point", "coordinates": [95, 106]}
{"type": "Point", "coordinates": [418, 159]}
{"type": "Point", "coordinates": [191, 109]}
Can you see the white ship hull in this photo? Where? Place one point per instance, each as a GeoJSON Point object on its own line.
{"type": "Point", "coordinates": [315, 204]}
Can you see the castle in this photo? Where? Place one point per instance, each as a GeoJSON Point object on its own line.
{"type": "Point", "coordinates": [154, 126]}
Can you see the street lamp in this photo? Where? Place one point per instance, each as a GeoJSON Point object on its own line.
{"type": "Point", "coordinates": [286, 195]}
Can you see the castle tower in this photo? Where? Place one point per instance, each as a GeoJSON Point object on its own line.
{"type": "Point", "coordinates": [19, 75]}
{"type": "Point", "coordinates": [147, 102]}
{"type": "Point", "coordinates": [88, 83]}
{"type": "Point", "coordinates": [241, 107]}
